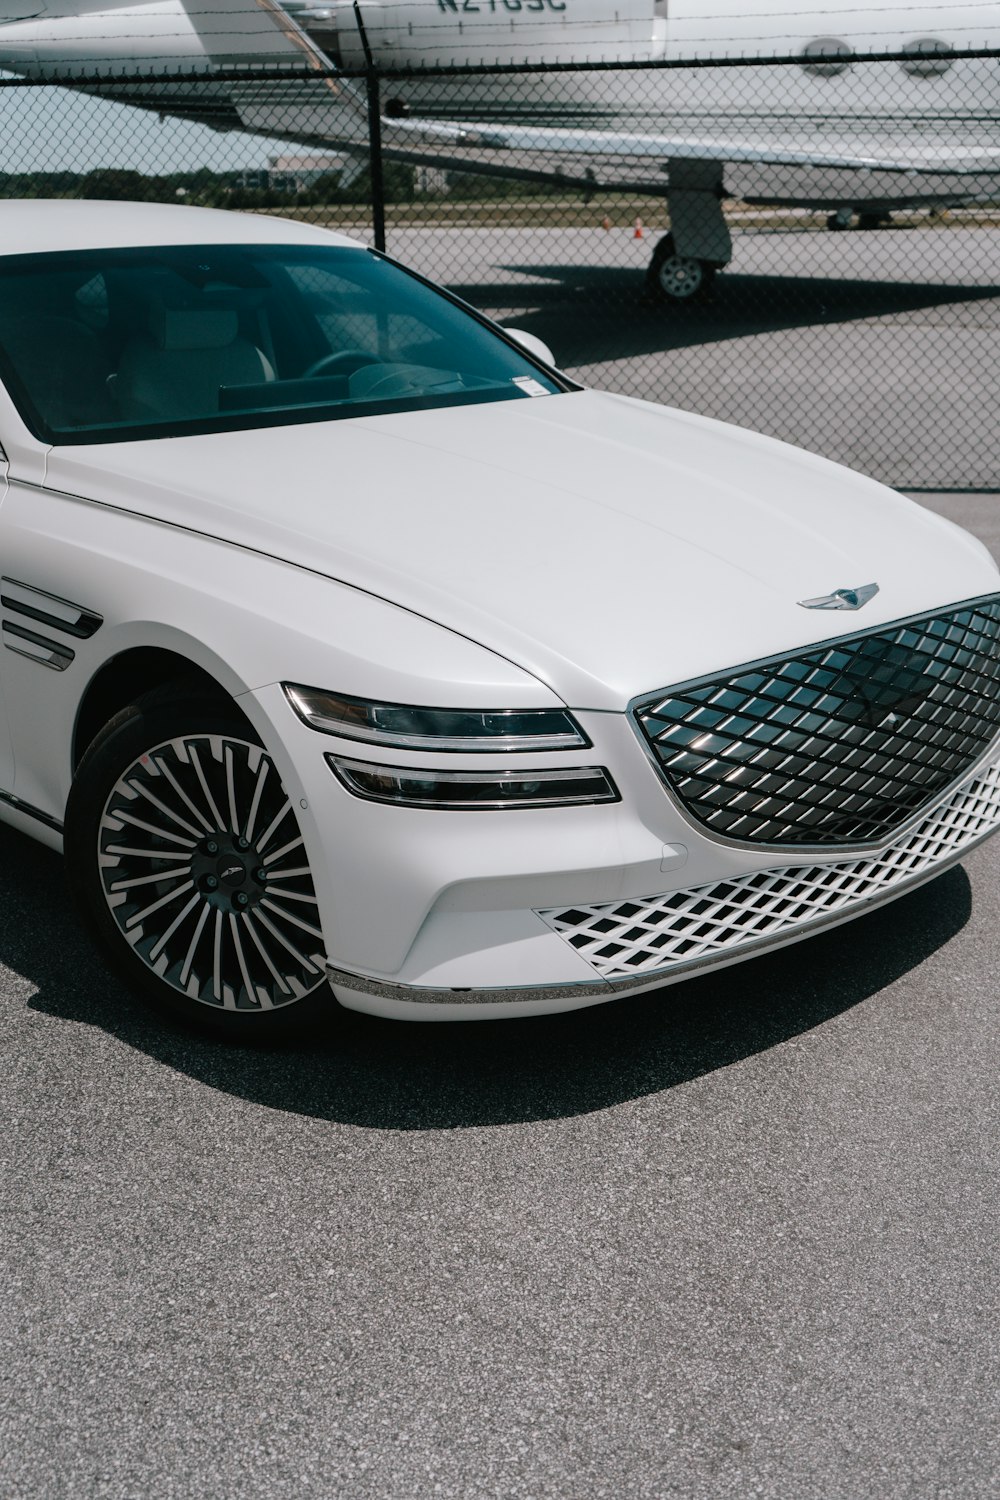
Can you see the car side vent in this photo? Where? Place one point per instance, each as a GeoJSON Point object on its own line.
{"type": "Point", "coordinates": [45, 612]}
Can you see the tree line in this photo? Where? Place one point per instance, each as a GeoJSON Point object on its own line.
{"type": "Point", "coordinates": [231, 189]}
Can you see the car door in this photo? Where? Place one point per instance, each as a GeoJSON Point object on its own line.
{"type": "Point", "coordinates": [6, 750]}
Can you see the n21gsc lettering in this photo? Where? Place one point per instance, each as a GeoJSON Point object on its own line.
{"type": "Point", "coordinates": [492, 6]}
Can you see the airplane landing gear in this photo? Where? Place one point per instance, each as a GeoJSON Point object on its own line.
{"type": "Point", "coordinates": [677, 278]}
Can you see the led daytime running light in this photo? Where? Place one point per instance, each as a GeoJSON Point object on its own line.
{"type": "Point", "coordinates": [470, 790]}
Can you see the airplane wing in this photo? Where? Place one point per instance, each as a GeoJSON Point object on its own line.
{"type": "Point", "coordinates": [688, 168]}
{"type": "Point", "coordinates": [911, 168]}
{"type": "Point", "coordinates": [299, 110]}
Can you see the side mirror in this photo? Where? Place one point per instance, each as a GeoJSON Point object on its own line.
{"type": "Point", "coordinates": [532, 344]}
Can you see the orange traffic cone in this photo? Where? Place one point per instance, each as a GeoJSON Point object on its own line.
{"type": "Point", "coordinates": [605, 222]}
{"type": "Point", "coordinates": [638, 234]}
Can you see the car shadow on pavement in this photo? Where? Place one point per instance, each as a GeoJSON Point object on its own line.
{"type": "Point", "coordinates": [397, 1076]}
{"type": "Point", "coordinates": [593, 314]}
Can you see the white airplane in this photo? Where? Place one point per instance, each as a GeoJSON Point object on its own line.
{"type": "Point", "coordinates": [832, 133]}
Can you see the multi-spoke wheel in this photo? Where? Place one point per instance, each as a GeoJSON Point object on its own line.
{"type": "Point", "coordinates": [677, 278]}
{"type": "Point", "coordinates": [186, 855]}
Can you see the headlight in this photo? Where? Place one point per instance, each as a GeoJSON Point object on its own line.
{"type": "Point", "coordinates": [421, 787]}
{"type": "Point", "coordinates": [409, 728]}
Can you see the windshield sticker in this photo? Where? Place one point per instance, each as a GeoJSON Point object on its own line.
{"type": "Point", "coordinates": [529, 385]}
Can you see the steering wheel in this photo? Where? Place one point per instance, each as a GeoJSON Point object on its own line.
{"type": "Point", "coordinates": [344, 362]}
{"type": "Point", "coordinates": [393, 383]}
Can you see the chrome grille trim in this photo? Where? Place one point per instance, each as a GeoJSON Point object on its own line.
{"type": "Point", "coordinates": [842, 744]}
{"type": "Point", "coordinates": [686, 929]}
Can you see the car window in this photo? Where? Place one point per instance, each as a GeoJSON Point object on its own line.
{"type": "Point", "coordinates": [102, 346]}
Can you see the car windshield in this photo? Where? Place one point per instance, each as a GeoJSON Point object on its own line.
{"type": "Point", "coordinates": [110, 345]}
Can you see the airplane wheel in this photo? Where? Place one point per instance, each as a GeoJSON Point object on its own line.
{"type": "Point", "coordinates": [842, 219]}
{"type": "Point", "coordinates": [677, 278]}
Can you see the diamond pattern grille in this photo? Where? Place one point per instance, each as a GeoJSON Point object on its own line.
{"type": "Point", "coordinates": [681, 928]}
{"type": "Point", "coordinates": [842, 744]}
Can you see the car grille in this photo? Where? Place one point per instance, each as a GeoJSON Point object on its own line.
{"type": "Point", "coordinates": [842, 744]}
{"type": "Point", "coordinates": [683, 929]}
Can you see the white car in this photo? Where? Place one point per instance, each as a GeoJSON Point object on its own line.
{"type": "Point", "coordinates": [347, 643]}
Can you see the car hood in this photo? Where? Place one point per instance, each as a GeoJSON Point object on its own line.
{"type": "Point", "coordinates": [608, 546]}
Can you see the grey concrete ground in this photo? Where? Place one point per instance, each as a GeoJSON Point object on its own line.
{"type": "Point", "coordinates": [877, 349]}
{"type": "Point", "coordinates": [737, 1238]}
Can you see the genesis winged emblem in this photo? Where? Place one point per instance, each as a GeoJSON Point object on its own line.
{"type": "Point", "coordinates": [842, 598]}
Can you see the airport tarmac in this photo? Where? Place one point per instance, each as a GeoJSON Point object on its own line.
{"type": "Point", "coordinates": [876, 348]}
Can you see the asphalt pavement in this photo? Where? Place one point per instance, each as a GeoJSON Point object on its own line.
{"type": "Point", "coordinates": [875, 348]}
{"type": "Point", "coordinates": [735, 1238]}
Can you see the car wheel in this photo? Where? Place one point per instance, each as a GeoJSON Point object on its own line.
{"type": "Point", "coordinates": [678, 278]}
{"type": "Point", "coordinates": [186, 858]}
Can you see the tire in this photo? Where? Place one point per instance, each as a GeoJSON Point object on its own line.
{"type": "Point", "coordinates": [673, 278]}
{"type": "Point", "coordinates": [186, 860]}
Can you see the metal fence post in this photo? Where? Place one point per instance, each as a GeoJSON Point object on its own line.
{"type": "Point", "coordinates": [375, 157]}
{"type": "Point", "coordinates": [375, 167]}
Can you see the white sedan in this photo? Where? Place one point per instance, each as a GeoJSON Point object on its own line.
{"type": "Point", "coordinates": [348, 644]}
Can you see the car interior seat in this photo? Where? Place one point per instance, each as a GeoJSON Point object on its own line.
{"type": "Point", "coordinates": [175, 372]}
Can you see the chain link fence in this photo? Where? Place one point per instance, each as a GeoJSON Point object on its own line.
{"type": "Point", "coordinates": [807, 247]}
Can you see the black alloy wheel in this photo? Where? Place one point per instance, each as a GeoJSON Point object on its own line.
{"type": "Point", "coordinates": [186, 858]}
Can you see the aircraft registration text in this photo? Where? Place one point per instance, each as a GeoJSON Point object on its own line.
{"type": "Point", "coordinates": [490, 7]}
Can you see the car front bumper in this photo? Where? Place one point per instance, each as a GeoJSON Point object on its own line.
{"type": "Point", "coordinates": [440, 915]}
{"type": "Point", "coordinates": [675, 934]}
